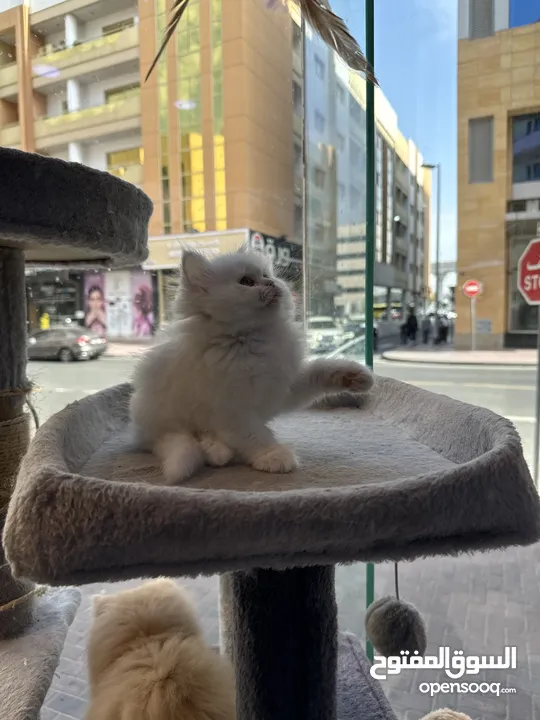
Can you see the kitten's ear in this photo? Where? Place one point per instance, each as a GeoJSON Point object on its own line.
{"type": "Point", "coordinates": [195, 269]}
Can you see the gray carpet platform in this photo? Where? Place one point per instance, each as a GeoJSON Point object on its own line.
{"type": "Point", "coordinates": [406, 473]}
{"type": "Point", "coordinates": [76, 213]}
{"type": "Point", "coordinates": [28, 661]}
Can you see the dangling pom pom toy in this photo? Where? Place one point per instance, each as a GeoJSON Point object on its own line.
{"type": "Point", "coordinates": [393, 626]}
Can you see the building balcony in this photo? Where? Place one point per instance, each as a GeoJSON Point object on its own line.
{"type": "Point", "coordinates": [90, 123]}
{"type": "Point", "coordinates": [86, 58]}
{"type": "Point", "coordinates": [10, 135]}
{"type": "Point", "coordinates": [8, 80]}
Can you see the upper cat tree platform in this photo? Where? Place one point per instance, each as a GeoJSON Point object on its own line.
{"type": "Point", "coordinates": [50, 211]}
{"type": "Point", "coordinates": [76, 213]}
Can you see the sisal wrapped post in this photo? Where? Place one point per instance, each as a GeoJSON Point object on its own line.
{"type": "Point", "coordinates": [16, 596]}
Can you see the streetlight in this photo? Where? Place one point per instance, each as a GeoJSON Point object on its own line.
{"type": "Point", "coordinates": [437, 167]}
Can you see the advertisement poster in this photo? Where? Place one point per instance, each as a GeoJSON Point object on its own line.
{"type": "Point", "coordinates": [142, 304]}
{"type": "Point", "coordinates": [95, 309]}
{"type": "Point", "coordinates": [118, 297]}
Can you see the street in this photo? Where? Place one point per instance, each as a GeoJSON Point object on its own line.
{"type": "Point", "coordinates": [508, 391]}
{"type": "Point", "coordinates": [477, 603]}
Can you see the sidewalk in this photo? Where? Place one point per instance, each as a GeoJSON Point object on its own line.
{"type": "Point", "coordinates": [126, 349]}
{"type": "Point", "coordinates": [449, 356]}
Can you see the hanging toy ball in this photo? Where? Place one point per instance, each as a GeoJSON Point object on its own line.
{"type": "Point", "coordinates": [393, 625]}
{"type": "Point", "coordinates": [446, 714]}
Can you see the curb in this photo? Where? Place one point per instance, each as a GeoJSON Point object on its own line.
{"type": "Point", "coordinates": [456, 363]}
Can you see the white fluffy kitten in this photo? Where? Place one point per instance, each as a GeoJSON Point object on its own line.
{"type": "Point", "coordinates": [234, 362]}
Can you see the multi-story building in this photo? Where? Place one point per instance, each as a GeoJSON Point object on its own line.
{"type": "Point", "coordinates": [208, 136]}
{"type": "Point", "coordinates": [215, 136]}
{"type": "Point", "coordinates": [335, 173]}
{"type": "Point", "coordinates": [498, 165]}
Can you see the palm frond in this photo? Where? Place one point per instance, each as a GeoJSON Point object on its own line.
{"type": "Point", "coordinates": [177, 11]}
{"type": "Point", "coordinates": [335, 33]}
{"type": "Point", "coordinates": [317, 13]}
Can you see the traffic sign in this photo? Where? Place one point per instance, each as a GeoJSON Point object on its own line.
{"type": "Point", "coordinates": [528, 280]}
{"type": "Point", "coordinates": [472, 288]}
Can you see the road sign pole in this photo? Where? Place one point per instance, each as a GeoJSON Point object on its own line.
{"type": "Point", "coordinates": [537, 423]}
{"type": "Point", "coordinates": [473, 323]}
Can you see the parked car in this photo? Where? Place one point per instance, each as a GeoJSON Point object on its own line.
{"type": "Point", "coordinates": [65, 343]}
{"type": "Point", "coordinates": [323, 334]}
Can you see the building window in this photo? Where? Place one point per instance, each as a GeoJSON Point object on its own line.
{"type": "Point", "coordinates": [340, 141]}
{"type": "Point", "coordinates": [117, 26]}
{"type": "Point", "coordinates": [481, 19]}
{"type": "Point", "coordinates": [297, 98]}
{"type": "Point", "coordinates": [524, 12]}
{"type": "Point", "coordinates": [526, 148]}
{"type": "Point", "coordinates": [319, 121]}
{"type": "Point", "coordinates": [355, 153]}
{"type": "Point", "coordinates": [318, 177]}
{"type": "Point", "coordinates": [340, 93]}
{"type": "Point", "coordinates": [296, 36]}
{"type": "Point", "coordinates": [481, 150]}
{"type": "Point", "coordinates": [319, 67]}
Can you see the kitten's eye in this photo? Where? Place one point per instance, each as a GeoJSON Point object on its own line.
{"type": "Point", "coordinates": [265, 276]}
{"type": "Point", "coordinates": [246, 281]}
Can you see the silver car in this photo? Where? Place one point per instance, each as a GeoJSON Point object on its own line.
{"type": "Point", "coordinates": [65, 344]}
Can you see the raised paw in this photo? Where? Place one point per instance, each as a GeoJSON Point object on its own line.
{"type": "Point", "coordinates": [216, 453]}
{"type": "Point", "coordinates": [351, 376]}
{"type": "Point", "coordinates": [275, 459]}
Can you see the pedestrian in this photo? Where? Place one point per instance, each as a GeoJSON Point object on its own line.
{"type": "Point", "coordinates": [426, 329]}
{"type": "Point", "coordinates": [412, 326]}
{"type": "Point", "coordinates": [403, 333]}
{"type": "Point", "coordinates": [444, 329]}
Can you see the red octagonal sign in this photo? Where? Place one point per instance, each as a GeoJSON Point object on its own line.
{"type": "Point", "coordinates": [529, 273]}
{"type": "Point", "coordinates": [472, 288]}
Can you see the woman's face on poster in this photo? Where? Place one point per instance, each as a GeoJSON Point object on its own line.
{"type": "Point", "coordinates": [95, 300]}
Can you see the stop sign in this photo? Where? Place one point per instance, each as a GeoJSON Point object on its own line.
{"type": "Point", "coordinates": [472, 288]}
{"type": "Point", "coordinates": [529, 273]}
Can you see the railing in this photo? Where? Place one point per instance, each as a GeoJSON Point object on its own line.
{"type": "Point", "coordinates": [61, 55]}
{"type": "Point", "coordinates": [86, 118]}
{"type": "Point", "coordinates": [10, 134]}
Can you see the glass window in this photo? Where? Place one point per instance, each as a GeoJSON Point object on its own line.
{"type": "Point", "coordinates": [319, 121]}
{"type": "Point", "coordinates": [526, 148]}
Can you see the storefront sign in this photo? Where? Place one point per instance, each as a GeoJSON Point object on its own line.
{"type": "Point", "coordinates": [279, 250]}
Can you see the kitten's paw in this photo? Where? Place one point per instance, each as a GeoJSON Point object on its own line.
{"type": "Point", "coordinates": [351, 376]}
{"type": "Point", "coordinates": [275, 459]}
{"type": "Point", "coordinates": [216, 453]}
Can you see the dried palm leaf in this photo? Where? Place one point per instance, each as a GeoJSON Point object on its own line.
{"type": "Point", "coordinates": [318, 14]}
{"type": "Point", "coordinates": [177, 11]}
{"type": "Point", "coordinates": [335, 33]}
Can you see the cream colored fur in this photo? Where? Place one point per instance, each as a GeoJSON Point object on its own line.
{"type": "Point", "coordinates": [148, 660]}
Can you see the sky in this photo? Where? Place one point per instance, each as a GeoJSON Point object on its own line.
{"type": "Point", "coordinates": [416, 65]}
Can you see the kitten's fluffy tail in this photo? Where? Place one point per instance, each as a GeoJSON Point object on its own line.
{"type": "Point", "coordinates": [181, 456]}
{"type": "Point", "coordinates": [191, 681]}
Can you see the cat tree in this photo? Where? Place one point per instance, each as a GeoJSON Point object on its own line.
{"type": "Point", "coordinates": [51, 211]}
{"type": "Point", "coordinates": [400, 474]}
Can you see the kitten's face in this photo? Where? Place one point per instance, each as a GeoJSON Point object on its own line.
{"type": "Point", "coordinates": [239, 288]}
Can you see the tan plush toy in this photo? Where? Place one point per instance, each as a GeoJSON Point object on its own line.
{"type": "Point", "coordinates": [446, 714]}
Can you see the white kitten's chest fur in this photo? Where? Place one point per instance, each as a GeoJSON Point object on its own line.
{"type": "Point", "coordinates": [202, 378]}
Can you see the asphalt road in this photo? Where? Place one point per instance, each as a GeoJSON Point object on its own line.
{"type": "Point", "coordinates": [508, 391]}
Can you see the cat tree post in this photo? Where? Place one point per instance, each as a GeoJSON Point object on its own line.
{"type": "Point", "coordinates": [280, 629]}
{"type": "Point", "coordinates": [14, 423]}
